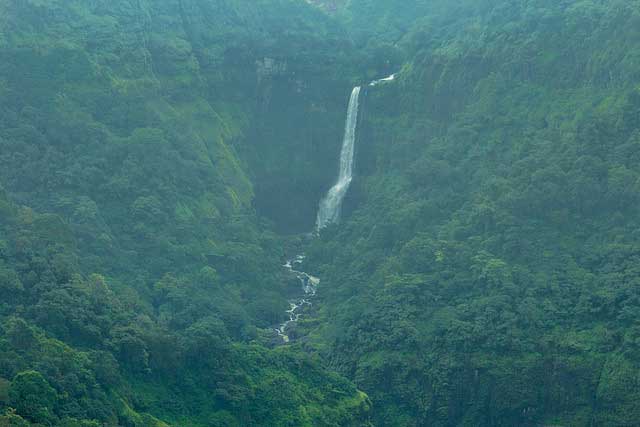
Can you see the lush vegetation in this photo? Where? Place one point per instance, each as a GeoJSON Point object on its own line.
{"type": "Point", "coordinates": [153, 155]}
{"type": "Point", "coordinates": [488, 274]}
{"type": "Point", "coordinates": [137, 282]}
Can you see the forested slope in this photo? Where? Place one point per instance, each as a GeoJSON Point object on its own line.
{"type": "Point", "coordinates": [152, 155]}
{"type": "Point", "coordinates": [487, 274]}
{"type": "Point", "coordinates": [138, 284]}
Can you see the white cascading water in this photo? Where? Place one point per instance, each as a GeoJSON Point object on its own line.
{"type": "Point", "coordinates": [331, 204]}
{"type": "Point", "coordinates": [329, 212]}
{"type": "Point", "coordinates": [391, 78]}
{"type": "Point", "coordinates": [309, 286]}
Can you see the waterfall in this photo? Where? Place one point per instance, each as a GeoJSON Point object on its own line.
{"type": "Point", "coordinates": [331, 204]}
{"type": "Point", "coordinates": [391, 78]}
{"type": "Point", "coordinates": [328, 212]}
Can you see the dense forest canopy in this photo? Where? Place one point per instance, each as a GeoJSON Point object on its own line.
{"type": "Point", "coordinates": [161, 160]}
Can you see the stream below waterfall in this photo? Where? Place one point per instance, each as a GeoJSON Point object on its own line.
{"type": "Point", "coordinates": [309, 285]}
{"type": "Point", "coordinates": [329, 211]}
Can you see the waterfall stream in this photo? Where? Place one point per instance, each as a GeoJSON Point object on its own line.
{"type": "Point", "coordinates": [391, 78]}
{"type": "Point", "coordinates": [328, 212]}
{"type": "Point", "coordinates": [331, 204]}
{"type": "Point", "coordinates": [309, 285]}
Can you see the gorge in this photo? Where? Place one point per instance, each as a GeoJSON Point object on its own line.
{"type": "Point", "coordinates": [329, 210]}
{"type": "Point", "coordinates": [222, 214]}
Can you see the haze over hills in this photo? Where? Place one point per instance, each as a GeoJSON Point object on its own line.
{"type": "Point", "coordinates": [161, 161]}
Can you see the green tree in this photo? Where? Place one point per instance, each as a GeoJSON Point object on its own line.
{"type": "Point", "coordinates": [33, 398]}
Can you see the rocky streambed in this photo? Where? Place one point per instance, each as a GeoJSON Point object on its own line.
{"type": "Point", "coordinates": [309, 285]}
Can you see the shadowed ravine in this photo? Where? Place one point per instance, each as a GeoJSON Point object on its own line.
{"type": "Point", "coordinates": [329, 210]}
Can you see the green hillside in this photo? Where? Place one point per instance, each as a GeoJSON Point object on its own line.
{"type": "Point", "coordinates": [487, 274]}
{"type": "Point", "coordinates": [161, 160]}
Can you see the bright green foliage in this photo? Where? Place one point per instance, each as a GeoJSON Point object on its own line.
{"type": "Point", "coordinates": [10, 419]}
{"type": "Point", "coordinates": [32, 396]}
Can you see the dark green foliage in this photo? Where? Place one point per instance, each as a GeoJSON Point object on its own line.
{"type": "Point", "coordinates": [486, 273]}
{"type": "Point", "coordinates": [83, 351]}
{"type": "Point", "coordinates": [137, 282]}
